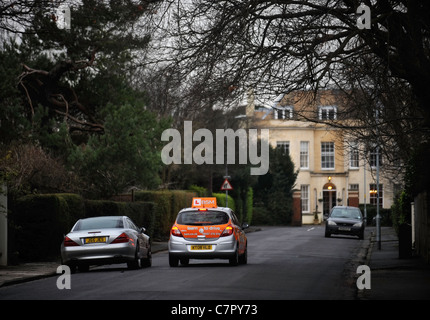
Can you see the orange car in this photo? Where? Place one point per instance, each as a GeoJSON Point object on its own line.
{"type": "Point", "coordinates": [206, 231]}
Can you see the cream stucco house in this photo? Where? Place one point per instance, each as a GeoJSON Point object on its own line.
{"type": "Point", "coordinates": [334, 169]}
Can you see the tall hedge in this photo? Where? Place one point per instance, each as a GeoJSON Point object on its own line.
{"type": "Point", "coordinates": [167, 205]}
{"type": "Point", "coordinates": [142, 213]}
{"type": "Point", "coordinates": [39, 222]}
{"type": "Point", "coordinates": [220, 200]}
{"type": "Point", "coordinates": [371, 210]}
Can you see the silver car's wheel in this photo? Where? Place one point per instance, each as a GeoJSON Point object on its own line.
{"type": "Point", "coordinates": [136, 263]}
{"type": "Point", "coordinates": [83, 267]}
{"type": "Point", "coordinates": [147, 262]}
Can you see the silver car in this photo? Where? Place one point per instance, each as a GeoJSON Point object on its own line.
{"type": "Point", "coordinates": [345, 220]}
{"type": "Point", "coordinates": [106, 240]}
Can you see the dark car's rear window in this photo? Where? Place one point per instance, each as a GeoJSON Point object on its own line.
{"type": "Point", "coordinates": [202, 218]}
{"type": "Point", "coordinates": [99, 223]}
{"type": "Point", "coordinates": [347, 213]}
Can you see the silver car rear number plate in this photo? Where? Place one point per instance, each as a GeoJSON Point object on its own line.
{"type": "Point", "coordinates": [95, 240]}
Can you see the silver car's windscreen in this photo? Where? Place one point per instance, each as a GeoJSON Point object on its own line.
{"type": "Point", "coordinates": [202, 218]}
{"type": "Point", "coordinates": [99, 223]}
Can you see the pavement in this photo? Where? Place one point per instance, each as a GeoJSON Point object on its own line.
{"type": "Point", "coordinates": [391, 277]}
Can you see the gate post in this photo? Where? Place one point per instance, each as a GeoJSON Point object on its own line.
{"type": "Point", "coordinates": [3, 225]}
{"type": "Point", "coordinates": [297, 208]}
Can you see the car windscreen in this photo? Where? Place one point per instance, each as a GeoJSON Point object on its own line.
{"type": "Point", "coordinates": [99, 223]}
{"type": "Point", "coordinates": [202, 218]}
{"type": "Point", "coordinates": [347, 213]}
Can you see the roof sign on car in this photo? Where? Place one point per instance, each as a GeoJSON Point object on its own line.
{"type": "Point", "coordinates": [204, 203]}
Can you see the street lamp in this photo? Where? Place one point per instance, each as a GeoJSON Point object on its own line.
{"type": "Point", "coordinates": [378, 217]}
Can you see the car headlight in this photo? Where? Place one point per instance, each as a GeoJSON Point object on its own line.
{"type": "Point", "coordinates": [358, 224]}
{"type": "Point", "coordinates": [331, 223]}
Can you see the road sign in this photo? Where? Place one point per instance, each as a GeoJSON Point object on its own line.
{"type": "Point", "coordinates": [226, 185]}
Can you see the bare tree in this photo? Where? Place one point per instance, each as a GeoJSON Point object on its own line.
{"type": "Point", "coordinates": [278, 46]}
{"type": "Point", "coordinates": [229, 46]}
{"type": "Point", "coordinates": [16, 16]}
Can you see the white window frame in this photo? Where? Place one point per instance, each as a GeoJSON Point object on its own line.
{"type": "Point", "coordinates": [327, 157]}
{"type": "Point", "coordinates": [354, 155]}
{"type": "Point", "coordinates": [354, 187]}
{"type": "Point", "coordinates": [304, 154]}
{"type": "Point", "coordinates": [305, 198]}
{"type": "Point", "coordinates": [324, 112]}
{"type": "Point", "coordinates": [373, 194]}
{"type": "Point", "coordinates": [285, 145]}
{"type": "Point", "coordinates": [372, 156]}
{"type": "Point", "coordinates": [283, 112]}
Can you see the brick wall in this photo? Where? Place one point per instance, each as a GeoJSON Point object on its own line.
{"type": "Point", "coordinates": [353, 199]}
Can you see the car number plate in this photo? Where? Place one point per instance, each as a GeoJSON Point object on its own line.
{"type": "Point", "coordinates": [95, 240]}
{"type": "Point", "coordinates": [201, 247]}
{"type": "Point", "coordinates": [344, 229]}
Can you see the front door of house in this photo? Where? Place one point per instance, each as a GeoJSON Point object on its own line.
{"type": "Point", "coordinates": [329, 198]}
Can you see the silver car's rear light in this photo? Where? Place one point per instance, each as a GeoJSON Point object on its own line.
{"type": "Point", "coordinates": [69, 242]}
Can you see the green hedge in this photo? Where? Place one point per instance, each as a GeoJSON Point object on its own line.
{"type": "Point", "coordinates": [249, 205]}
{"type": "Point", "coordinates": [167, 205]}
{"type": "Point", "coordinates": [142, 213]}
{"type": "Point", "coordinates": [401, 210]}
{"type": "Point", "coordinates": [220, 200]}
{"type": "Point", "coordinates": [39, 222]}
{"type": "Point", "coordinates": [385, 214]}
{"type": "Point", "coordinates": [261, 216]}
{"type": "Point", "coordinates": [200, 191]}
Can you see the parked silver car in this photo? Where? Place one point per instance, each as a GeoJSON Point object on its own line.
{"type": "Point", "coordinates": [345, 220]}
{"type": "Point", "coordinates": [106, 240]}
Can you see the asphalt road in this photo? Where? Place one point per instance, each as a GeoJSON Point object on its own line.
{"type": "Point", "coordinates": [284, 263]}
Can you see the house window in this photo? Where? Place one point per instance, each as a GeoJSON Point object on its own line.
{"type": "Point", "coordinates": [374, 155]}
{"type": "Point", "coordinates": [354, 160]}
{"type": "Point", "coordinates": [327, 113]}
{"type": "Point", "coordinates": [283, 112]}
{"type": "Point", "coordinates": [373, 198]}
{"type": "Point", "coordinates": [327, 155]}
{"type": "Point", "coordinates": [284, 145]}
{"type": "Point", "coordinates": [353, 187]}
{"type": "Point", "coordinates": [304, 154]}
{"type": "Point", "coordinates": [304, 188]}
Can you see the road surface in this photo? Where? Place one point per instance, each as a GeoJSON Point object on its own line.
{"type": "Point", "coordinates": [284, 263]}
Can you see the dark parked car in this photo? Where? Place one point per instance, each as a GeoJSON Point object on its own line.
{"type": "Point", "coordinates": [345, 220]}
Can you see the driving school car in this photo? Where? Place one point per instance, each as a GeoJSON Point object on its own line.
{"type": "Point", "coordinates": [206, 231]}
